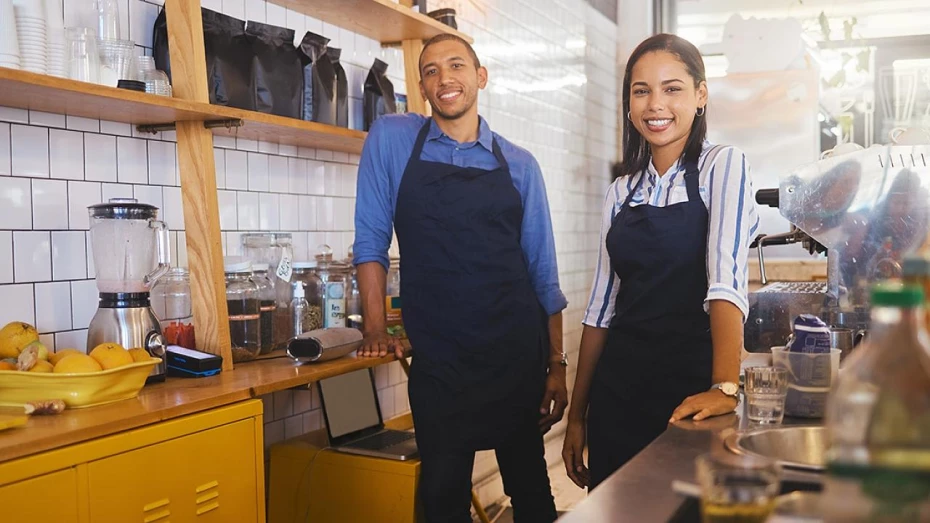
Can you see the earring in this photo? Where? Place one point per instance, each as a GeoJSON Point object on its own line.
{"type": "Point", "coordinates": [629, 116]}
{"type": "Point", "coordinates": [700, 111]}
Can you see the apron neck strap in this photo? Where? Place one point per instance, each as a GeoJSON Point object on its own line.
{"type": "Point", "coordinates": [424, 132]}
{"type": "Point", "coordinates": [421, 140]}
{"type": "Point", "coordinates": [691, 182]}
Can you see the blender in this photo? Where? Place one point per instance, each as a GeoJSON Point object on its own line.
{"type": "Point", "coordinates": [130, 249]}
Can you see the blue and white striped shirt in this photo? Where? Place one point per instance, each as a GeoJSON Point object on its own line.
{"type": "Point", "coordinates": [726, 190]}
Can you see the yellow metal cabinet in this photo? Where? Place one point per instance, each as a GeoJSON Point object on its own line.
{"type": "Point", "coordinates": [52, 497]}
{"type": "Point", "coordinates": [335, 487]}
{"type": "Point", "coordinates": [205, 468]}
{"type": "Point", "coordinates": [204, 477]}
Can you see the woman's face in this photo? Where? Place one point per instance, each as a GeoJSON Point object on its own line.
{"type": "Point", "coordinates": [664, 99]}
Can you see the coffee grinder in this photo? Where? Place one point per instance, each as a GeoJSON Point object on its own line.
{"type": "Point", "coordinates": [131, 252]}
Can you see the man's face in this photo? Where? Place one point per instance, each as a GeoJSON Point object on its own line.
{"type": "Point", "coordinates": [449, 79]}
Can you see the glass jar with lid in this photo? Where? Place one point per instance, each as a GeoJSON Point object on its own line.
{"type": "Point", "coordinates": [276, 249]}
{"type": "Point", "coordinates": [244, 305]}
{"type": "Point", "coordinates": [171, 302]}
{"type": "Point", "coordinates": [334, 276]}
{"type": "Point", "coordinates": [305, 275]}
{"type": "Point", "coordinates": [392, 306]}
{"type": "Point", "coordinates": [268, 303]}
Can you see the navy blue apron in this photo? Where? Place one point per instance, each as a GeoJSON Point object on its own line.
{"type": "Point", "coordinates": [479, 333]}
{"type": "Point", "coordinates": [658, 349]}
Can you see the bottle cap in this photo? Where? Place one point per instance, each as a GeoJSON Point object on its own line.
{"type": "Point", "coordinates": [897, 294]}
{"type": "Point", "coordinates": [299, 291]}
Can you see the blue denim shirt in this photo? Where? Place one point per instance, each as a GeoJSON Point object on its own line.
{"type": "Point", "coordinates": [384, 158]}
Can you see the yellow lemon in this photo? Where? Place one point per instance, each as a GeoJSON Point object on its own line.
{"type": "Point", "coordinates": [14, 337]}
{"type": "Point", "coordinates": [5, 365]}
{"type": "Point", "coordinates": [77, 364]}
{"type": "Point", "coordinates": [60, 355]}
{"type": "Point", "coordinates": [139, 354]}
{"type": "Point", "coordinates": [111, 355]}
{"type": "Point", "coordinates": [42, 366]}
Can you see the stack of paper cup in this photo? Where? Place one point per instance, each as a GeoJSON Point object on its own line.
{"type": "Point", "coordinates": [55, 26]}
{"type": "Point", "coordinates": [9, 40]}
{"type": "Point", "coordinates": [33, 39]}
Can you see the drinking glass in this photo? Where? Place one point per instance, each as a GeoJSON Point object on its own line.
{"type": "Point", "coordinates": [83, 60]}
{"type": "Point", "coordinates": [766, 389]}
{"type": "Point", "coordinates": [107, 12]}
{"type": "Point", "coordinates": [736, 488]}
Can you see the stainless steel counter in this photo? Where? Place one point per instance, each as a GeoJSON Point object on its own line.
{"type": "Point", "coordinates": [641, 491]}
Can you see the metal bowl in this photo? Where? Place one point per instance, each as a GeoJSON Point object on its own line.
{"type": "Point", "coordinates": [799, 447]}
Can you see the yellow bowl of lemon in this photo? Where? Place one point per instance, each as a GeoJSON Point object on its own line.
{"type": "Point", "coordinates": [106, 374]}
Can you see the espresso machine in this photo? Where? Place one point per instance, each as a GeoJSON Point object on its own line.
{"type": "Point", "coordinates": [130, 248]}
{"type": "Point", "coordinates": [866, 210]}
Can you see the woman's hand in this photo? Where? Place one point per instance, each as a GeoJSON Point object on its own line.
{"type": "Point", "coordinates": [704, 405]}
{"type": "Point", "coordinates": [573, 453]}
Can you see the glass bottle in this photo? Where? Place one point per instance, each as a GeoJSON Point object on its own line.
{"type": "Point", "coordinates": [305, 276]}
{"type": "Point", "coordinates": [266, 296]}
{"type": "Point", "coordinates": [878, 417]}
{"type": "Point", "coordinates": [333, 277]}
{"type": "Point", "coordinates": [244, 306]}
{"type": "Point", "coordinates": [299, 308]}
{"type": "Point", "coordinates": [916, 270]}
{"type": "Point", "coordinates": [171, 303]}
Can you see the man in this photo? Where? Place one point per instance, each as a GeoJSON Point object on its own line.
{"type": "Point", "coordinates": [479, 287]}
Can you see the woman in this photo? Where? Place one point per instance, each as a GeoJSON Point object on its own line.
{"type": "Point", "coordinates": [663, 330]}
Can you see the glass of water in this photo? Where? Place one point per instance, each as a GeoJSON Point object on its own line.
{"type": "Point", "coordinates": [766, 389]}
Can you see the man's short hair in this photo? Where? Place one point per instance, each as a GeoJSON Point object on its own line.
{"type": "Point", "coordinates": [446, 37]}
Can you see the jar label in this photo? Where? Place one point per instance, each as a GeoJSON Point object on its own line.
{"type": "Point", "coordinates": [335, 305]}
{"type": "Point", "coordinates": [284, 269]}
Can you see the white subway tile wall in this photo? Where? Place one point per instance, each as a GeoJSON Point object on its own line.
{"type": "Point", "coordinates": [552, 90]}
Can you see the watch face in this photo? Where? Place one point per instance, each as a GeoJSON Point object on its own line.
{"type": "Point", "coordinates": [730, 389]}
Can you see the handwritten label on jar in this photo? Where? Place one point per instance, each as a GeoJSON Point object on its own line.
{"type": "Point", "coordinates": [284, 269]}
{"type": "Point", "coordinates": [334, 306]}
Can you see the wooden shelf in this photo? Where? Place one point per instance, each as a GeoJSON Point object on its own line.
{"type": "Point", "coordinates": [380, 20]}
{"type": "Point", "coordinates": [25, 90]}
{"type": "Point", "coordinates": [174, 398]}
{"type": "Point", "coordinates": [289, 131]}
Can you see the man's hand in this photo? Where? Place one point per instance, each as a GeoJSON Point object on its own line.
{"type": "Point", "coordinates": [555, 399]}
{"type": "Point", "coordinates": [377, 345]}
{"type": "Point", "coordinates": [704, 405]}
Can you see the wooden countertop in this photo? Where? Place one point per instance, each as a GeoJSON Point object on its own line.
{"type": "Point", "coordinates": [174, 398]}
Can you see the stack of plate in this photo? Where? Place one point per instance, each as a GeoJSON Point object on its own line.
{"type": "Point", "coordinates": [9, 40]}
{"type": "Point", "coordinates": [33, 40]}
{"type": "Point", "coordinates": [55, 26]}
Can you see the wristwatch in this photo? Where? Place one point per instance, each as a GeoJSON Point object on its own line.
{"type": "Point", "coordinates": [564, 361]}
{"type": "Point", "coordinates": [728, 388]}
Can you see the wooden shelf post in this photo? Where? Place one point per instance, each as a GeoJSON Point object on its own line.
{"type": "Point", "coordinates": [412, 49]}
{"type": "Point", "coordinates": [198, 182]}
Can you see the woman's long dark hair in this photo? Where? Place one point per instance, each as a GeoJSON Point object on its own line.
{"type": "Point", "coordinates": [635, 148]}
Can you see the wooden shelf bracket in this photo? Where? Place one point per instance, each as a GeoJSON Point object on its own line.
{"type": "Point", "coordinates": [227, 124]}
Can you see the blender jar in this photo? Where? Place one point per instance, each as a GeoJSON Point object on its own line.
{"type": "Point", "coordinates": [130, 246]}
{"type": "Point", "coordinates": [277, 251]}
{"type": "Point", "coordinates": [171, 302]}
